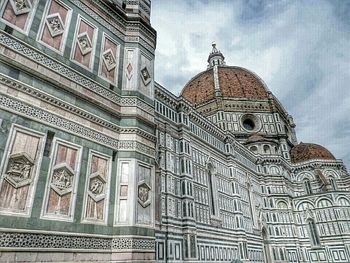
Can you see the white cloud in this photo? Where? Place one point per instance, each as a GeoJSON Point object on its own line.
{"type": "Point", "coordinates": [299, 48]}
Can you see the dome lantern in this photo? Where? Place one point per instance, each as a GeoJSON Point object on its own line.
{"type": "Point", "coordinates": [216, 58]}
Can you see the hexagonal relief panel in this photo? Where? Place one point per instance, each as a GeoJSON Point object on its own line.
{"type": "Point", "coordinates": [55, 24]}
{"type": "Point", "coordinates": [97, 186]}
{"type": "Point", "coordinates": [21, 6]}
{"type": "Point", "coordinates": [143, 194]}
{"type": "Point", "coordinates": [62, 179]}
{"type": "Point", "coordinates": [109, 59]}
{"type": "Point", "coordinates": [84, 43]}
{"type": "Point", "coordinates": [145, 76]}
{"type": "Point", "coordinates": [19, 169]}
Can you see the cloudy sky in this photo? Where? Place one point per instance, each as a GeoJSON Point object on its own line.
{"type": "Point", "coordinates": [301, 49]}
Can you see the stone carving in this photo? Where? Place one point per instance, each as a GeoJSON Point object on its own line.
{"type": "Point", "coordinates": [62, 179]}
{"type": "Point", "coordinates": [109, 59]}
{"type": "Point", "coordinates": [55, 24]}
{"type": "Point", "coordinates": [97, 186]}
{"type": "Point", "coordinates": [19, 168]}
{"type": "Point", "coordinates": [143, 191]}
{"type": "Point", "coordinates": [21, 6]}
{"type": "Point", "coordinates": [84, 43]}
{"type": "Point", "coordinates": [145, 76]}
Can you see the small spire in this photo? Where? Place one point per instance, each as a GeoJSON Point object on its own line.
{"type": "Point", "coordinates": [215, 57]}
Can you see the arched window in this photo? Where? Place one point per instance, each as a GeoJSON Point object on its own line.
{"type": "Point", "coordinates": [307, 186]}
{"type": "Point", "coordinates": [282, 205]}
{"type": "Point", "coordinates": [343, 201]}
{"type": "Point", "coordinates": [281, 254]}
{"type": "Point", "coordinates": [277, 231]}
{"type": "Point", "coordinates": [324, 203]}
{"type": "Point", "coordinates": [274, 218]}
{"type": "Point", "coordinates": [184, 210]}
{"type": "Point", "coordinates": [267, 149]}
{"type": "Point", "coordinates": [314, 238]}
{"type": "Point", "coordinates": [304, 206]}
{"type": "Point", "coordinates": [254, 149]}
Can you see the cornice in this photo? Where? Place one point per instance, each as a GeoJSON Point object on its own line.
{"type": "Point", "coordinates": [5, 80]}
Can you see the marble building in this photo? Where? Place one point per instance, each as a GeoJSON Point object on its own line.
{"type": "Point", "coordinates": [100, 163]}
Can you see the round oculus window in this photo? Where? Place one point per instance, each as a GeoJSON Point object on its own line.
{"type": "Point", "coordinates": [249, 124]}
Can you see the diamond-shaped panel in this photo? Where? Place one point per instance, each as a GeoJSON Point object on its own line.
{"type": "Point", "coordinates": [55, 24]}
{"type": "Point", "coordinates": [129, 70]}
{"type": "Point", "coordinates": [21, 6]}
{"type": "Point", "coordinates": [109, 59]}
{"type": "Point", "coordinates": [84, 43]}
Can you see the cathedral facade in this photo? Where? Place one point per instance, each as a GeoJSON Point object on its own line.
{"type": "Point", "coordinates": [100, 163]}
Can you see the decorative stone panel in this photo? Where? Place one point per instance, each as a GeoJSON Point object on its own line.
{"type": "Point", "coordinates": [62, 181]}
{"type": "Point", "coordinates": [21, 6]}
{"type": "Point", "coordinates": [97, 188]}
{"type": "Point", "coordinates": [84, 43]}
{"type": "Point", "coordinates": [19, 168]}
{"type": "Point", "coordinates": [55, 24]}
{"type": "Point", "coordinates": [144, 213]}
{"type": "Point", "coordinates": [18, 13]}
{"type": "Point", "coordinates": [38, 241]}
{"type": "Point", "coordinates": [20, 171]}
{"type": "Point", "coordinates": [144, 197]}
{"type": "Point", "coordinates": [146, 75]}
{"type": "Point", "coordinates": [123, 189]}
{"type": "Point", "coordinates": [109, 60]}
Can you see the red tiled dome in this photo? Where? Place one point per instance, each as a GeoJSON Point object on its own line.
{"type": "Point", "coordinates": [234, 82]}
{"type": "Point", "coordinates": [308, 151]}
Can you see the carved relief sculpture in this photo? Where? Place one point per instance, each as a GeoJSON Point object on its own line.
{"type": "Point", "coordinates": [145, 76]}
{"type": "Point", "coordinates": [109, 60]}
{"type": "Point", "coordinates": [85, 36]}
{"type": "Point", "coordinates": [17, 13]}
{"type": "Point", "coordinates": [21, 6]}
{"type": "Point", "coordinates": [55, 24]}
{"type": "Point", "coordinates": [20, 171]}
{"type": "Point", "coordinates": [97, 187]}
{"type": "Point", "coordinates": [143, 190]}
{"type": "Point", "coordinates": [62, 181]}
{"type": "Point", "coordinates": [53, 29]}
{"type": "Point", "coordinates": [84, 43]}
{"type": "Point", "coordinates": [144, 195]}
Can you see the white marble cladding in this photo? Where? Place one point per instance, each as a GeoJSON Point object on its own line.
{"type": "Point", "coordinates": [273, 202]}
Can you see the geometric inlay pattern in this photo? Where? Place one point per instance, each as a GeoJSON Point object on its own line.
{"type": "Point", "coordinates": [40, 241]}
{"type": "Point", "coordinates": [129, 70]}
